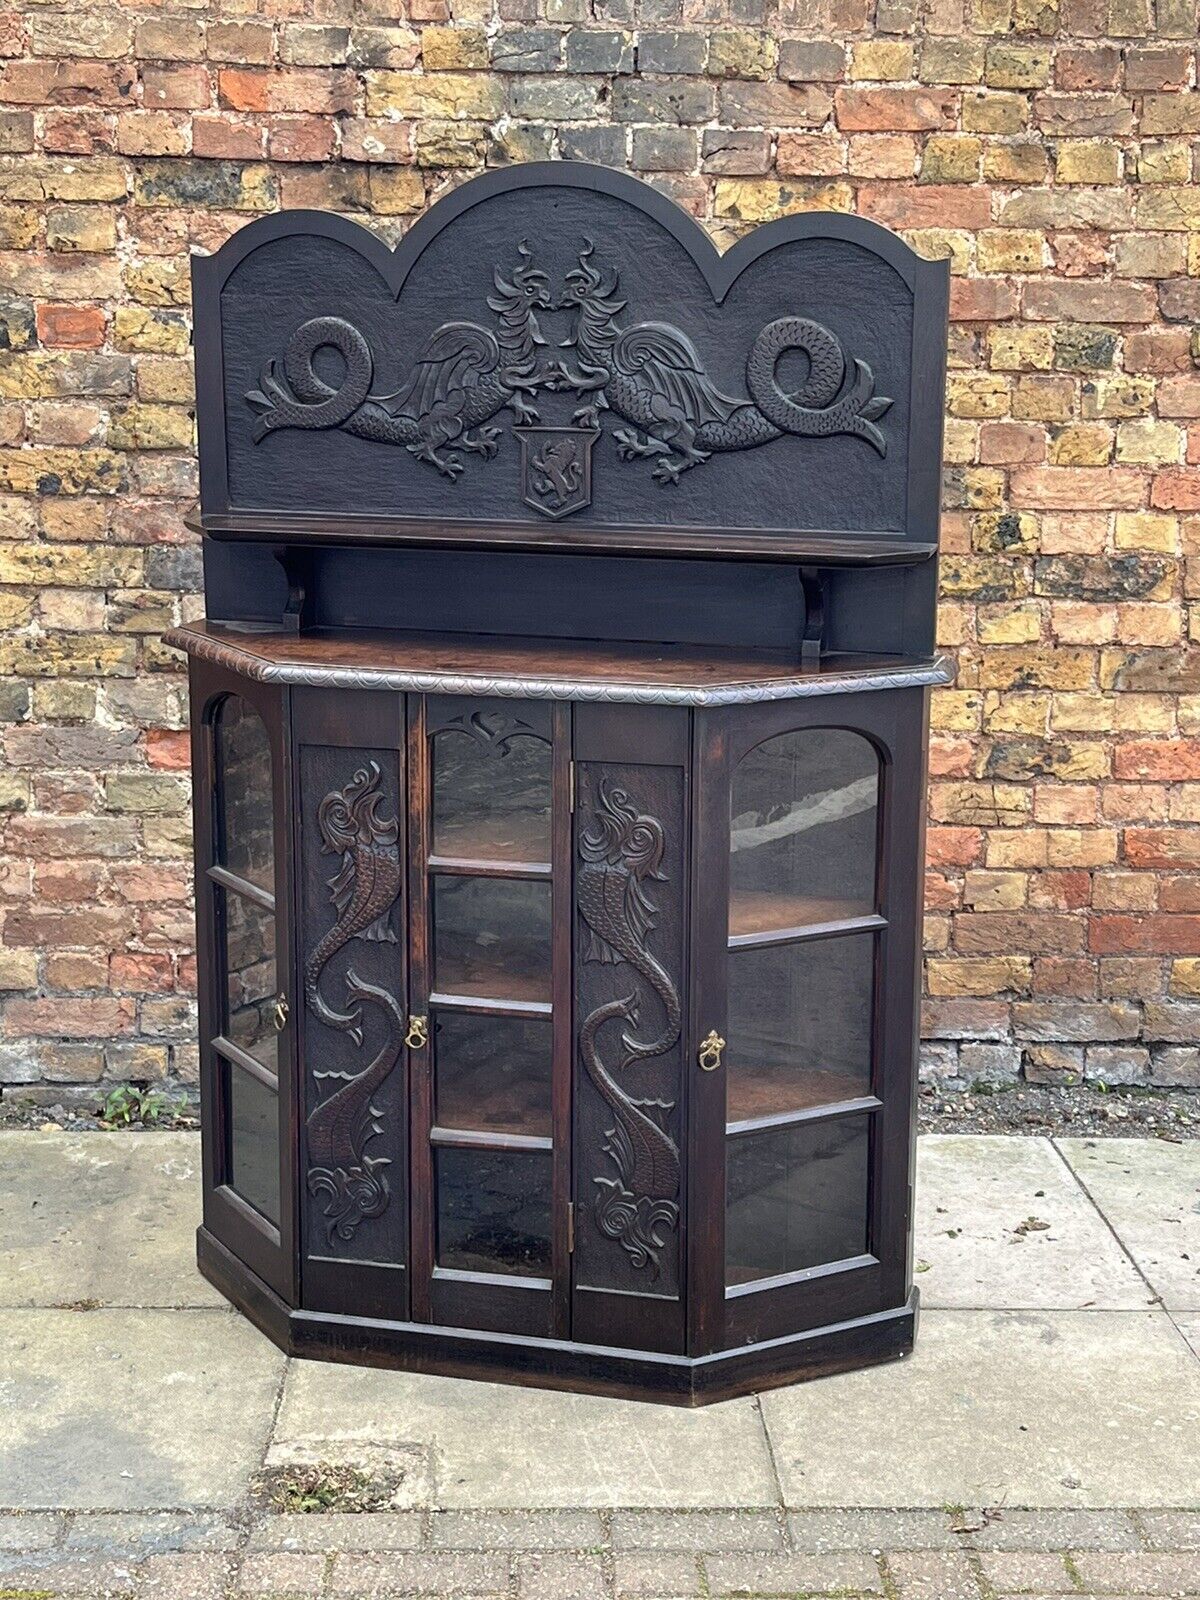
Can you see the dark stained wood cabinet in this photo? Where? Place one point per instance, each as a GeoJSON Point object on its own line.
{"type": "Point", "coordinates": [559, 827]}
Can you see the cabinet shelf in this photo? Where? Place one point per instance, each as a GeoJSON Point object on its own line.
{"type": "Point", "coordinates": [492, 846]}
{"type": "Point", "coordinates": [762, 1095]}
{"type": "Point", "coordinates": [759, 917]}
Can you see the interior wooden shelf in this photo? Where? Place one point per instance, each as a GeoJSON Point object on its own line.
{"type": "Point", "coordinates": [472, 976]}
{"type": "Point", "coordinates": [754, 1092]}
{"type": "Point", "coordinates": [758, 912]}
{"type": "Point", "coordinates": [476, 1106]}
{"type": "Point", "coordinates": [490, 842]}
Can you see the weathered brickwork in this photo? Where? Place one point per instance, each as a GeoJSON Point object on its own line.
{"type": "Point", "coordinates": [1049, 146]}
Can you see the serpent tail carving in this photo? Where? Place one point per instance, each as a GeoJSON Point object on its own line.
{"type": "Point", "coordinates": [620, 852]}
{"type": "Point", "coordinates": [352, 1183]}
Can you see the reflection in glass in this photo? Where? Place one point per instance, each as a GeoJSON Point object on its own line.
{"type": "Point", "coordinates": [245, 828]}
{"type": "Point", "coordinates": [803, 831]}
{"type": "Point", "coordinates": [491, 797]}
{"type": "Point", "coordinates": [799, 1024]}
{"type": "Point", "coordinates": [492, 1073]}
{"type": "Point", "coordinates": [253, 1141]}
{"type": "Point", "coordinates": [492, 938]}
{"type": "Point", "coordinates": [493, 1211]}
{"type": "Point", "coordinates": [250, 978]}
{"type": "Point", "coordinates": [796, 1197]}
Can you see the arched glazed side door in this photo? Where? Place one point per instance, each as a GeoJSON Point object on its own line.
{"type": "Point", "coordinates": [246, 1003]}
{"type": "Point", "coordinates": [804, 1013]}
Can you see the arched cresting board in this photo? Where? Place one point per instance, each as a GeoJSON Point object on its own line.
{"type": "Point", "coordinates": [558, 356]}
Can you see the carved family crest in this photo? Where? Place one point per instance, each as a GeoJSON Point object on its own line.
{"type": "Point", "coordinates": [649, 375]}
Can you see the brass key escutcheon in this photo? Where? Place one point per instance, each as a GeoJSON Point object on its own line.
{"type": "Point", "coordinates": [279, 1013]}
{"type": "Point", "coordinates": [417, 1036]}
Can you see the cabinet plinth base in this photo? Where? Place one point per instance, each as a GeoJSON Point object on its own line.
{"type": "Point", "coordinates": [559, 1364]}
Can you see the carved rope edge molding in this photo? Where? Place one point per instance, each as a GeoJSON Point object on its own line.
{"type": "Point", "coordinates": [239, 659]}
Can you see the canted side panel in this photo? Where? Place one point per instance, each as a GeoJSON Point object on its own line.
{"type": "Point", "coordinates": [354, 1165]}
{"type": "Point", "coordinates": [630, 836]}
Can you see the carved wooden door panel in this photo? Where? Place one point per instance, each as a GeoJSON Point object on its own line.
{"type": "Point", "coordinates": [489, 874]}
{"type": "Point", "coordinates": [630, 916]}
{"type": "Point", "coordinates": [808, 846]}
{"type": "Point", "coordinates": [247, 1057]}
{"type": "Point", "coordinates": [349, 825]}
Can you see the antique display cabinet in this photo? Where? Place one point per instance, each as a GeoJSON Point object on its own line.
{"type": "Point", "coordinates": [559, 741]}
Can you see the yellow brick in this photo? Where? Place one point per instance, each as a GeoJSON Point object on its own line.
{"type": "Point", "coordinates": [761, 199]}
{"type": "Point", "coordinates": [1016, 347]}
{"type": "Point", "coordinates": [1011, 250]}
{"type": "Point", "coordinates": [951, 158]}
{"type": "Point", "coordinates": [881, 61]}
{"type": "Point", "coordinates": [1087, 161]}
{"type": "Point", "coordinates": [1139, 622]}
{"type": "Point", "coordinates": [70, 566]}
{"type": "Point", "coordinates": [1017, 713]}
{"type": "Point", "coordinates": [1080, 847]}
{"type": "Point", "coordinates": [62, 471]}
{"type": "Point", "coordinates": [742, 53]}
{"type": "Point", "coordinates": [1081, 445]}
{"type": "Point", "coordinates": [1020, 847]}
{"type": "Point", "coordinates": [956, 710]}
{"type": "Point", "coordinates": [960, 442]}
{"type": "Point", "coordinates": [984, 805]}
{"type": "Point", "coordinates": [141, 328]}
{"type": "Point", "coordinates": [996, 532]}
{"type": "Point", "coordinates": [149, 427]}
{"type": "Point", "coordinates": [1185, 976]}
{"type": "Point", "coordinates": [1082, 713]}
{"type": "Point", "coordinates": [1148, 443]}
{"type": "Point", "coordinates": [935, 243]}
{"type": "Point", "coordinates": [1143, 713]}
{"type": "Point", "coordinates": [1019, 624]}
{"type": "Point", "coordinates": [448, 49]}
{"type": "Point", "coordinates": [1167, 162]}
{"type": "Point", "coordinates": [1014, 163]}
{"type": "Point", "coordinates": [1082, 622]}
{"type": "Point", "coordinates": [977, 394]}
{"type": "Point", "coordinates": [980, 975]}
{"type": "Point", "coordinates": [1118, 396]}
{"type": "Point", "coordinates": [995, 891]}
{"type": "Point", "coordinates": [442, 94]}
{"type": "Point", "coordinates": [995, 113]}
{"type": "Point", "coordinates": [1146, 530]}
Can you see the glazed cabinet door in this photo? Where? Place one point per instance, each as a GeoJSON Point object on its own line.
{"type": "Point", "coordinates": [489, 874]}
{"type": "Point", "coordinates": [804, 1021]}
{"type": "Point", "coordinates": [247, 1053]}
{"type": "Point", "coordinates": [630, 918]}
{"type": "Point", "coordinates": [348, 825]}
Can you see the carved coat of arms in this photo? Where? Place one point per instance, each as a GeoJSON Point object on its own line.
{"type": "Point", "coordinates": [647, 374]}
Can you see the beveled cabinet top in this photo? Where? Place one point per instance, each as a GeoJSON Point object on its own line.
{"type": "Point", "coordinates": [545, 669]}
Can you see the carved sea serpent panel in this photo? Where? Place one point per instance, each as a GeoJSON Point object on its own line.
{"type": "Point", "coordinates": [353, 1184]}
{"type": "Point", "coordinates": [621, 854]}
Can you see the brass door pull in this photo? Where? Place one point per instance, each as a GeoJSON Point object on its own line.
{"type": "Point", "coordinates": [710, 1052]}
{"type": "Point", "coordinates": [417, 1036]}
{"type": "Point", "coordinates": [279, 1013]}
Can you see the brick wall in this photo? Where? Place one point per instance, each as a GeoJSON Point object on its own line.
{"type": "Point", "coordinates": [1047, 145]}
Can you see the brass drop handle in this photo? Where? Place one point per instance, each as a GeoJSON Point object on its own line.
{"type": "Point", "coordinates": [417, 1036]}
{"type": "Point", "coordinates": [710, 1051]}
{"type": "Point", "coordinates": [279, 1013]}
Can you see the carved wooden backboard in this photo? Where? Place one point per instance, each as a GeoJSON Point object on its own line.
{"type": "Point", "coordinates": [559, 345]}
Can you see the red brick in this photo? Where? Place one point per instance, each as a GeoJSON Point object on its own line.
{"type": "Point", "coordinates": [71, 327]}
{"type": "Point", "coordinates": [1077, 488]}
{"type": "Point", "coordinates": [226, 140]}
{"type": "Point", "coordinates": [902, 110]}
{"type": "Point", "coordinates": [1176, 489]}
{"type": "Point", "coordinates": [1159, 760]}
{"type": "Point", "coordinates": [1162, 847]}
{"type": "Point", "coordinates": [57, 1017]}
{"type": "Point", "coordinates": [902, 205]}
{"type": "Point", "coordinates": [318, 89]}
{"type": "Point", "coordinates": [1156, 934]}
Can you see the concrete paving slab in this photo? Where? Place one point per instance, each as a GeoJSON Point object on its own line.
{"type": "Point", "coordinates": [1149, 1192]}
{"type": "Point", "coordinates": [131, 1410]}
{"type": "Point", "coordinates": [1188, 1324]}
{"type": "Point", "coordinates": [1024, 1408]}
{"type": "Point", "coordinates": [506, 1448]}
{"type": "Point", "coordinates": [109, 1217]}
{"type": "Point", "coordinates": [1002, 1223]}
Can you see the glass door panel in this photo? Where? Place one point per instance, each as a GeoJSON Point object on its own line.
{"type": "Point", "coordinates": [799, 1025]}
{"type": "Point", "coordinates": [485, 962]}
{"type": "Point", "coordinates": [802, 832]}
{"type": "Point", "coordinates": [491, 800]}
{"type": "Point", "coordinates": [242, 1008]}
{"type": "Point", "coordinates": [803, 930]}
{"type": "Point", "coordinates": [796, 1198]}
{"type": "Point", "coordinates": [491, 938]}
{"type": "Point", "coordinates": [492, 1073]}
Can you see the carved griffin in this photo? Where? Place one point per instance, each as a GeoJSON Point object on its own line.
{"type": "Point", "coordinates": [464, 375]}
{"type": "Point", "coordinates": [652, 375]}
